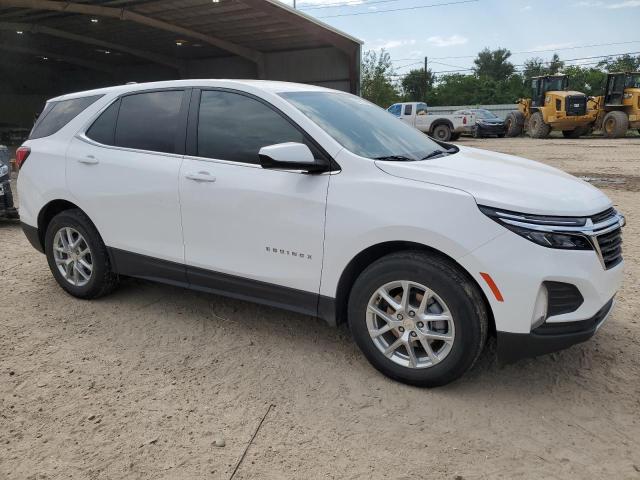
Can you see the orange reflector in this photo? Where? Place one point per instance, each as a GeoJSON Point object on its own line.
{"type": "Point", "coordinates": [492, 285]}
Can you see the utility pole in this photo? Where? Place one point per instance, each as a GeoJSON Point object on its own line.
{"type": "Point", "coordinates": [294, 4]}
{"type": "Point", "coordinates": [426, 78]}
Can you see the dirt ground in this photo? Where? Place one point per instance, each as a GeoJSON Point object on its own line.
{"type": "Point", "coordinates": [150, 382]}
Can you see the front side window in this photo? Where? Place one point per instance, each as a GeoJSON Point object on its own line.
{"type": "Point", "coordinates": [235, 127]}
{"type": "Point", "coordinates": [57, 114]}
{"type": "Point", "coordinates": [362, 127]}
{"type": "Point", "coordinates": [149, 121]}
{"type": "Point", "coordinates": [395, 109]}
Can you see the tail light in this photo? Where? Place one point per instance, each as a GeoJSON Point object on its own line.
{"type": "Point", "coordinates": [21, 155]}
{"type": "Point", "coordinates": [464, 120]}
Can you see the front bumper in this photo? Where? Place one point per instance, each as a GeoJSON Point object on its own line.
{"type": "Point", "coordinates": [497, 129]}
{"type": "Point", "coordinates": [7, 209]}
{"type": "Point", "coordinates": [549, 337]}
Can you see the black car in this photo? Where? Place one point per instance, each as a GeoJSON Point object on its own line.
{"type": "Point", "coordinates": [7, 210]}
{"type": "Point", "coordinates": [487, 123]}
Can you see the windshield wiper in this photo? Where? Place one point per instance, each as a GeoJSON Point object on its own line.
{"type": "Point", "coordinates": [437, 153]}
{"type": "Point", "coordinates": [395, 158]}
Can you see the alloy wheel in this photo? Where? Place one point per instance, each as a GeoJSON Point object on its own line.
{"type": "Point", "coordinates": [72, 256]}
{"type": "Point", "coordinates": [410, 324]}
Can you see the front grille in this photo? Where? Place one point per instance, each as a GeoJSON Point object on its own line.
{"type": "Point", "coordinates": [576, 105]}
{"type": "Point", "coordinates": [602, 216]}
{"type": "Point", "coordinates": [611, 248]}
{"type": "Point", "coordinates": [562, 298]}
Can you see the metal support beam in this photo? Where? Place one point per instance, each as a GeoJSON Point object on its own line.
{"type": "Point", "coordinates": [153, 57]}
{"type": "Point", "coordinates": [100, 67]}
{"type": "Point", "coordinates": [124, 14]}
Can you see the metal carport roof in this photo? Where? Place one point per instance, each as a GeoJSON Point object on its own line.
{"type": "Point", "coordinates": [103, 34]}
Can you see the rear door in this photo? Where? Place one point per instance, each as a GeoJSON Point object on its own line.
{"type": "Point", "coordinates": [124, 169]}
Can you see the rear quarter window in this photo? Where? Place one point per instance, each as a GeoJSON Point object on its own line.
{"type": "Point", "coordinates": [57, 114]}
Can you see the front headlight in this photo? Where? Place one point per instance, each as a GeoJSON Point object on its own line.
{"type": "Point", "coordinates": [547, 231]}
{"type": "Point", "coordinates": [4, 170]}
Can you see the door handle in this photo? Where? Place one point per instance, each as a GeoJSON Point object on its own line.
{"type": "Point", "coordinates": [200, 177]}
{"type": "Point", "coordinates": [88, 160]}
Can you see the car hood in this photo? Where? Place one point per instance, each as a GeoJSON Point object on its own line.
{"type": "Point", "coordinates": [506, 181]}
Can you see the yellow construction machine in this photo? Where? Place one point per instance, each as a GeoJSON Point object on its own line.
{"type": "Point", "coordinates": [619, 108]}
{"type": "Point", "coordinates": [551, 107]}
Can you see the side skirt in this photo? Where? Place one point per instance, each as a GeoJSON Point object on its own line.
{"type": "Point", "coordinates": [172, 273]}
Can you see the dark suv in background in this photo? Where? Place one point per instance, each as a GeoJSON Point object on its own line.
{"type": "Point", "coordinates": [487, 123]}
{"type": "Point", "coordinates": [7, 209]}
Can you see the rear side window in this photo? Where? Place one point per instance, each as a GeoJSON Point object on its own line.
{"type": "Point", "coordinates": [408, 109]}
{"type": "Point", "coordinates": [235, 127]}
{"type": "Point", "coordinates": [57, 114]}
{"type": "Point", "coordinates": [103, 129]}
{"type": "Point", "coordinates": [149, 121]}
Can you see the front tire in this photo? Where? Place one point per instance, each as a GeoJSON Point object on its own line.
{"type": "Point", "coordinates": [514, 124]}
{"type": "Point", "coordinates": [77, 256]}
{"type": "Point", "coordinates": [537, 126]}
{"type": "Point", "coordinates": [418, 318]}
{"type": "Point", "coordinates": [615, 124]}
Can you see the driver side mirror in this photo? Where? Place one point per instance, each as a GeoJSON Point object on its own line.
{"type": "Point", "coordinates": [290, 156]}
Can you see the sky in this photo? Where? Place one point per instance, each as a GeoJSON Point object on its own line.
{"type": "Point", "coordinates": [452, 33]}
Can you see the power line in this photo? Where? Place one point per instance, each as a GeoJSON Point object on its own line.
{"type": "Point", "coordinates": [531, 51]}
{"type": "Point", "coordinates": [400, 9]}
{"type": "Point", "coordinates": [522, 65]}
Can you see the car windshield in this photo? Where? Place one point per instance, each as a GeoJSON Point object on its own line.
{"type": "Point", "coordinates": [362, 127]}
{"type": "Point", "coordinates": [484, 114]}
{"type": "Point", "coordinates": [633, 81]}
{"type": "Point", "coordinates": [555, 84]}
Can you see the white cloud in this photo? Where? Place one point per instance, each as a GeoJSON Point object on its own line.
{"type": "Point", "coordinates": [526, 7]}
{"type": "Point", "coordinates": [390, 44]}
{"type": "Point", "coordinates": [552, 46]}
{"type": "Point", "coordinates": [601, 4]}
{"type": "Point", "coordinates": [627, 4]}
{"type": "Point", "coordinates": [440, 41]}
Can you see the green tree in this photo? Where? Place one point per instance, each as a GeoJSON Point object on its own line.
{"type": "Point", "coordinates": [533, 67]}
{"type": "Point", "coordinates": [555, 65]}
{"type": "Point", "coordinates": [415, 87]}
{"type": "Point", "coordinates": [494, 64]}
{"type": "Point", "coordinates": [377, 84]}
{"type": "Point", "coordinates": [624, 63]}
{"type": "Point", "coordinates": [587, 80]}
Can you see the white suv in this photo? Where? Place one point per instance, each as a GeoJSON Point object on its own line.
{"type": "Point", "coordinates": [319, 202]}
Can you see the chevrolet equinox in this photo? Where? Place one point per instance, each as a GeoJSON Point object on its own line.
{"type": "Point", "coordinates": [319, 202]}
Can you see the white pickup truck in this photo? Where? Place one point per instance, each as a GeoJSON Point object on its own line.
{"type": "Point", "coordinates": [440, 127]}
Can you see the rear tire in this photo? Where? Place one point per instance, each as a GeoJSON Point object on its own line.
{"type": "Point", "coordinates": [442, 132]}
{"type": "Point", "coordinates": [78, 257]}
{"type": "Point", "coordinates": [537, 126]}
{"type": "Point", "coordinates": [615, 124]}
{"type": "Point", "coordinates": [452, 298]}
{"type": "Point", "coordinates": [514, 124]}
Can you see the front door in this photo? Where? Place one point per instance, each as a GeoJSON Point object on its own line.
{"type": "Point", "coordinates": [249, 232]}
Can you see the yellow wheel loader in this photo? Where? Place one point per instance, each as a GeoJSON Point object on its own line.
{"type": "Point", "coordinates": [619, 108]}
{"type": "Point", "coordinates": [551, 107]}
